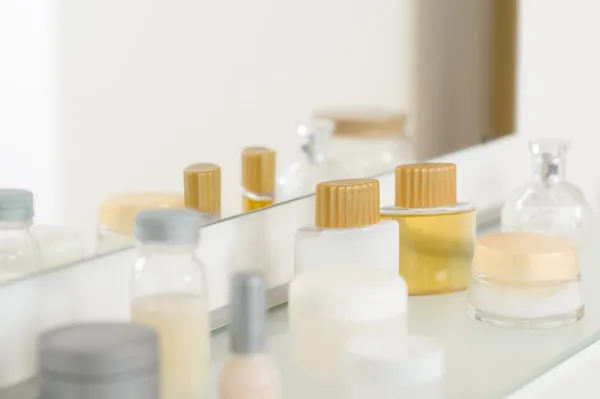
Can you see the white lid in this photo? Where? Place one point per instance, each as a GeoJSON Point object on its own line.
{"type": "Point", "coordinates": [350, 294]}
{"type": "Point", "coordinates": [386, 358]}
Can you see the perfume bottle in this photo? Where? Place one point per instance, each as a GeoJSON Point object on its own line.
{"type": "Point", "coordinates": [437, 234]}
{"type": "Point", "coordinates": [301, 177]}
{"type": "Point", "coordinates": [548, 203]}
{"type": "Point", "coordinates": [99, 361]}
{"type": "Point", "coordinates": [117, 215]}
{"type": "Point", "coordinates": [249, 373]}
{"type": "Point", "coordinates": [526, 280]}
{"type": "Point", "coordinates": [202, 183]}
{"type": "Point", "coordinates": [19, 251]}
{"type": "Point", "coordinates": [169, 293]}
{"type": "Point", "coordinates": [347, 229]}
{"type": "Point", "coordinates": [258, 178]}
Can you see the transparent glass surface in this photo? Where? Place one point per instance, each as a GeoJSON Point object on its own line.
{"type": "Point", "coordinates": [548, 203]}
{"type": "Point", "coordinates": [482, 361]}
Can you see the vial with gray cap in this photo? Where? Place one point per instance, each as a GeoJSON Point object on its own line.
{"type": "Point", "coordinates": [249, 373]}
{"type": "Point", "coordinates": [169, 293]}
{"type": "Point", "coordinates": [548, 203]}
{"type": "Point", "coordinates": [19, 251]}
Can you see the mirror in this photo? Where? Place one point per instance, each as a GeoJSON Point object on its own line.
{"type": "Point", "coordinates": [242, 105]}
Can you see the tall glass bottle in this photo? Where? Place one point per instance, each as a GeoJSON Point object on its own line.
{"type": "Point", "coordinates": [169, 293]}
{"type": "Point", "coordinates": [258, 178]}
{"type": "Point", "coordinates": [301, 177]}
{"type": "Point", "coordinates": [437, 234]}
{"type": "Point", "coordinates": [547, 203]}
{"type": "Point", "coordinates": [19, 251]}
{"type": "Point", "coordinates": [347, 230]}
{"type": "Point", "coordinates": [202, 183]}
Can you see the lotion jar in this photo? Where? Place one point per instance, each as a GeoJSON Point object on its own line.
{"type": "Point", "coordinates": [526, 280]}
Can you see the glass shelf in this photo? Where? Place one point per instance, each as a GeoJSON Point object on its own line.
{"type": "Point", "coordinates": [482, 361]}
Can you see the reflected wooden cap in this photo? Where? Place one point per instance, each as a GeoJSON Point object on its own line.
{"type": "Point", "coordinates": [202, 183]}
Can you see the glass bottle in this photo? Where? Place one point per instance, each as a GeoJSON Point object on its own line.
{"type": "Point", "coordinates": [300, 178]}
{"type": "Point", "coordinates": [258, 178]}
{"type": "Point", "coordinates": [169, 293]}
{"type": "Point", "coordinates": [202, 183]}
{"type": "Point", "coordinates": [19, 251]}
{"type": "Point", "coordinates": [547, 203]}
{"type": "Point", "coordinates": [437, 234]}
{"type": "Point", "coordinates": [347, 230]}
{"type": "Point", "coordinates": [117, 215]}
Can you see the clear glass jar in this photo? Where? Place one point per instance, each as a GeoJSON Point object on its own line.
{"type": "Point", "coordinates": [300, 178]}
{"type": "Point", "coordinates": [547, 203]}
{"type": "Point", "coordinates": [169, 293]}
{"type": "Point", "coordinates": [19, 251]}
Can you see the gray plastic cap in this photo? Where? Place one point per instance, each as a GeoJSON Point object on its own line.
{"type": "Point", "coordinates": [248, 305]}
{"type": "Point", "coordinates": [175, 226]}
{"type": "Point", "coordinates": [101, 350]}
{"type": "Point", "coordinates": [16, 205]}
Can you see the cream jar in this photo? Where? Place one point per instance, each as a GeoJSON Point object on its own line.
{"type": "Point", "coordinates": [526, 280]}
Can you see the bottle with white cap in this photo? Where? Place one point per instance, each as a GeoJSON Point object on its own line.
{"type": "Point", "coordinates": [19, 251]}
{"type": "Point", "coordinates": [170, 294]}
{"type": "Point", "coordinates": [250, 373]}
{"type": "Point", "coordinates": [99, 361]}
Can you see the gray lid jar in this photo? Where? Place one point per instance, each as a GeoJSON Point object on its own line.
{"type": "Point", "coordinates": [99, 361]}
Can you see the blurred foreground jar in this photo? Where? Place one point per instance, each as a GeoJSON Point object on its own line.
{"type": "Point", "coordinates": [99, 361]}
{"type": "Point", "coordinates": [169, 293]}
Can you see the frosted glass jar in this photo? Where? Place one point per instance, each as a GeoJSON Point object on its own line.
{"type": "Point", "coordinates": [348, 230]}
{"type": "Point", "coordinates": [329, 305]}
{"type": "Point", "coordinates": [526, 280]}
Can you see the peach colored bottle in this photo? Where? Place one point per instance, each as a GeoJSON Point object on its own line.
{"type": "Point", "coordinates": [249, 373]}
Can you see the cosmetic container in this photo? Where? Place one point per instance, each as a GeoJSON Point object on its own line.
{"type": "Point", "coordinates": [59, 245]}
{"type": "Point", "coordinates": [202, 183]}
{"type": "Point", "coordinates": [249, 373]}
{"type": "Point", "coordinates": [348, 230]}
{"type": "Point", "coordinates": [526, 280]}
{"type": "Point", "coordinates": [437, 234]}
{"type": "Point", "coordinates": [117, 215]}
{"type": "Point", "coordinates": [548, 203]}
{"type": "Point", "coordinates": [169, 294]}
{"type": "Point", "coordinates": [19, 251]}
{"type": "Point", "coordinates": [329, 305]}
{"type": "Point", "coordinates": [300, 178]}
{"type": "Point", "coordinates": [99, 361]}
{"type": "Point", "coordinates": [258, 178]}
{"type": "Point", "coordinates": [384, 365]}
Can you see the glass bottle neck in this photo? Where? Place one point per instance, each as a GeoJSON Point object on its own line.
{"type": "Point", "coordinates": [314, 152]}
{"type": "Point", "coordinates": [548, 168]}
{"type": "Point", "coordinates": [8, 225]}
{"type": "Point", "coordinates": [164, 249]}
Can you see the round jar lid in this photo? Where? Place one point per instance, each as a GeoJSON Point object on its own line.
{"type": "Point", "coordinates": [518, 256]}
{"type": "Point", "coordinates": [386, 358]}
{"type": "Point", "coordinates": [101, 350]}
{"type": "Point", "coordinates": [350, 294]}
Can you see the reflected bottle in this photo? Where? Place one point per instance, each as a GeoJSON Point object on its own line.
{"type": "Point", "coordinates": [19, 251]}
{"type": "Point", "coordinates": [347, 230]}
{"type": "Point", "coordinates": [437, 234]}
{"type": "Point", "coordinates": [548, 203]}
{"type": "Point", "coordinates": [258, 178]}
{"type": "Point", "coordinates": [202, 183]}
{"type": "Point", "coordinates": [169, 293]}
{"type": "Point", "coordinates": [300, 178]}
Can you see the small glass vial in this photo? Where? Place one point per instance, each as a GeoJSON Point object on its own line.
{"type": "Point", "coordinates": [19, 251]}
{"type": "Point", "coordinates": [526, 280]}
{"type": "Point", "coordinates": [547, 203]}
{"type": "Point", "coordinates": [99, 361]}
{"type": "Point", "coordinates": [202, 183]}
{"type": "Point", "coordinates": [258, 178]}
{"type": "Point", "coordinates": [347, 230]}
{"type": "Point", "coordinates": [329, 305]}
{"type": "Point", "coordinates": [384, 365]}
{"type": "Point", "coordinates": [169, 293]}
{"type": "Point", "coordinates": [117, 215]}
{"type": "Point", "coordinates": [300, 178]}
{"type": "Point", "coordinates": [249, 373]}
{"type": "Point", "coordinates": [437, 234]}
